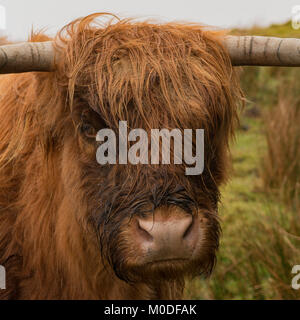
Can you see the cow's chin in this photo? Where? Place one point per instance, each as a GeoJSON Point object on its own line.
{"type": "Point", "coordinates": [166, 269]}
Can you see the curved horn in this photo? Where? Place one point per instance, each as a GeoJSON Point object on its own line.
{"type": "Point", "coordinates": [263, 51]}
{"type": "Point", "coordinates": [27, 56]}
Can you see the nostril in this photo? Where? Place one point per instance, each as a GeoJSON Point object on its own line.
{"type": "Point", "coordinates": [189, 228]}
{"type": "Point", "coordinates": [144, 233]}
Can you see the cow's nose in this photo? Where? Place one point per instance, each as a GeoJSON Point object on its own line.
{"type": "Point", "coordinates": [167, 238]}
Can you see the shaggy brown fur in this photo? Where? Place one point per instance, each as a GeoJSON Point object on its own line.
{"type": "Point", "coordinates": [64, 219]}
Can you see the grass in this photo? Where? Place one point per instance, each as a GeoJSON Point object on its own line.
{"type": "Point", "coordinates": [281, 168]}
{"type": "Point", "coordinates": [284, 30]}
{"type": "Point", "coordinates": [261, 229]}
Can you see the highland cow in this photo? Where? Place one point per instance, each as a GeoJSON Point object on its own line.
{"type": "Point", "coordinates": [71, 228]}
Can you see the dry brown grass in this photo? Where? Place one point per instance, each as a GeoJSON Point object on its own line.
{"type": "Point", "coordinates": [281, 166]}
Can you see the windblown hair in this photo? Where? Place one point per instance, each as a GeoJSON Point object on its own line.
{"type": "Point", "coordinates": [63, 217]}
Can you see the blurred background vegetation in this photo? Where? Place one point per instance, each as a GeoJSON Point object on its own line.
{"type": "Point", "coordinates": [260, 209]}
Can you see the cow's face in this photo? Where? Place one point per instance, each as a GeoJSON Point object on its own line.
{"type": "Point", "coordinates": [151, 221]}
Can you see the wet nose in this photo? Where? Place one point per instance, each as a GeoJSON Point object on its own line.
{"type": "Point", "coordinates": [167, 238]}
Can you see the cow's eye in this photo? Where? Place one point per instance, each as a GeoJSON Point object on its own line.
{"type": "Point", "coordinates": [88, 130]}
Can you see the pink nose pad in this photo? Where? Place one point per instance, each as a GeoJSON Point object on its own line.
{"type": "Point", "coordinates": [167, 238]}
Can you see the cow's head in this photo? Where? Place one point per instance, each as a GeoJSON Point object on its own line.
{"type": "Point", "coordinates": [151, 221]}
